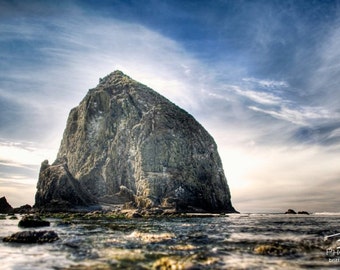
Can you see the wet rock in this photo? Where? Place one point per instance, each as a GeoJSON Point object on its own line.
{"type": "Point", "coordinates": [277, 250]}
{"type": "Point", "coordinates": [31, 221]}
{"type": "Point", "coordinates": [76, 243]}
{"type": "Point", "coordinates": [32, 237]}
{"type": "Point", "coordinates": [98, 266]}
{"type": "Point", "coordinates": [165, 263]}
{"type": "Point", "coordinates": [270, 250]}
{"type": "Point", "coordinates": [125, 142]}
{"type": "Point", "coordinates": [24, 209]}
{"type": "Point", "coordinates": [290, 211]}
{"type": "Point", "coordinates": [303, 213]}
{"type": "Point", "coordinates": [152, 237]}
{"type": "Point", "coordinates": [5, 207]}
{"type": "Point", "coordinates": [133, 214]}
{"type": "Point", "coordinates": [153, 212]}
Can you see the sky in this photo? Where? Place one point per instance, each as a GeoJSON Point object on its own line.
{"type": "Point", "coordinates": [263, 77]}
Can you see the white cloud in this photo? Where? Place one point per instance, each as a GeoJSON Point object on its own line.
{"type": "Point", "coordinates": [257, 96]}
{"type": "Point", "coordinates": [334, 134]}
{"type": "Point", "coordinates": [267, 83]}
{"type": "Point", "coordinates": [303, 115]}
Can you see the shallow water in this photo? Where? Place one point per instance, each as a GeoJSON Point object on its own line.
{"type": "Point", "coordinates": [255, 241]}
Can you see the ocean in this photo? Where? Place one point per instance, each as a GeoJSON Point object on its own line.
{"type": "Point", "coordinates": [236, 241]}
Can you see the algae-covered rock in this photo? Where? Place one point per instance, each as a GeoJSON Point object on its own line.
{"type": "Point", "coordinates": [125, 142]}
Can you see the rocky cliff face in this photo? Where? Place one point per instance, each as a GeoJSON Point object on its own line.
{"type": "Point", "coordinates": [58, 190]}
{"type": "Point", "coordinates": [125, 142]}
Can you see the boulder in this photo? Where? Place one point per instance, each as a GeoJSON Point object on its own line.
{"type": "Point", "coordinates": [24, 209]}
{"type": "Point", "coordinates": [290, 211]}
{"type": "Point", "coordinates": [125, 142]}
{"type": "Point", "coordinates": [5, 207]}
{"type": "Point", "coordinates": [31, 221]}
{"type": "Point", "coordinates": [30, 237]}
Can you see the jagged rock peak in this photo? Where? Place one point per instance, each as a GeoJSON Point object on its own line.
{"type": "Point", "coordinates": [116, 79]}
{"type": "Point", "coordinates": [119, 83]}
{"type": "Point", "coordinates": [5, 207]}
{"type": "Point", "coordinates": [125, 143]}
{"type": "Point", "coordinates": [113, 78]}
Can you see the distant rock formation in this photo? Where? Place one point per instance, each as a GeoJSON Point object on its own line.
{"type": "Point", "coordinates": [303, 213]}
{"type": "Point", "coordinates": [126, 143]}
{"type": "Point", "coordinates": [291, 211]}
{"type": "Point", "coordinates": [5, 207]}
{"type": "Point", "coordinates": [24, 209]}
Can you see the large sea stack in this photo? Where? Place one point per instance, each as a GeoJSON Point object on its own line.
{"type": "Point", "coordinates": [125, 143]}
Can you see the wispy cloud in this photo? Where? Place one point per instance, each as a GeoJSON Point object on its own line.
{"type": "Point", "coordinates": [264, 98]}
{"type": "Point", "coordinates": [267, 83]}
{"type": "Point", "coordinates": [303, 116]}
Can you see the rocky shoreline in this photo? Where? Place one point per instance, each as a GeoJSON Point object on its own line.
{"type": "Point", "coordinates": [37, 219]}
{"type": "Point", "coordinates": [120, 210]}
{"type": "Point", "coordinates": [34, 218]}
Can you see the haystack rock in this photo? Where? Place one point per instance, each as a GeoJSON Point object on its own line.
{"type": "Point", "coordinates": [125, 143]}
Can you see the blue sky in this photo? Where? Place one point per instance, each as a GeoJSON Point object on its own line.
{"type": "Point", "coordinates": [263, 77]}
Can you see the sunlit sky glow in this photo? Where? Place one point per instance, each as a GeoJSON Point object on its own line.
{"type": "Point", "coordinates": [263, 77]}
